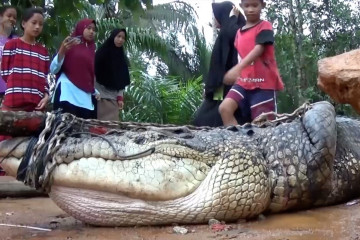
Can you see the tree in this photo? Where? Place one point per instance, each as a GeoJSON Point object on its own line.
{"type": "Point", "coordinates": [307, 31]}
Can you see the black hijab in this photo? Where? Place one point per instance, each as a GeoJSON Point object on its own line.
{"type": "Point", "coordinates": [224, 54]}
{"type": "Point", "coordinates": [111, 68]}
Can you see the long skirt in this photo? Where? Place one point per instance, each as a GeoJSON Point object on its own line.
{"type": "Point", "coordinates": [108, 110]}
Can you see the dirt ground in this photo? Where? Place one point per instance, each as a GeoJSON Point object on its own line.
{"type": "Point", "coordinates": [338, 222]}
{"type": "Point", "coordinates": [39, 218]}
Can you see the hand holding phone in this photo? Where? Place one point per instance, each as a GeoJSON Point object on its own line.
{"type": "Point", "coordinates": [67, 44]}
{"type": "Point", "coordinates": [76, 40]}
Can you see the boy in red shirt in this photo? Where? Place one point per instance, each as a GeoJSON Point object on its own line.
{"type": "Point", "coordinates": [256, 75]}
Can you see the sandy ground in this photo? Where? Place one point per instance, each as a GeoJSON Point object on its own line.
{"type": "Point", "coordinates": [337, 222]}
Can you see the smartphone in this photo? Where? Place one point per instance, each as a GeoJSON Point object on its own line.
{"type": "Point", "coordinates": [77, 38]}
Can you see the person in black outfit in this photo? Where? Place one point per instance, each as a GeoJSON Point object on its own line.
{"type": "Point", "coordinates": [223, 58]}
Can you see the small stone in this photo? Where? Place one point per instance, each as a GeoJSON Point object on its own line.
{"type": "Point", "coordinates": [353, 202]}
{"type": "Point", "coordinates": [213, 221]}
{"type": "Point", "coordinates": [261, 217]}
{"type": "Point", "coordinates": [180, 230]}
{"type": "Point", "coordinates": [54, 224]}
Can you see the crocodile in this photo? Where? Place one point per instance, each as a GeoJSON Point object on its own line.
{"type": "Point", "coordinates": [126, 174]}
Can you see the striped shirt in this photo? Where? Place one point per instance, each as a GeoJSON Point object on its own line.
{"type": "Point", "coordinates": [24, 68]}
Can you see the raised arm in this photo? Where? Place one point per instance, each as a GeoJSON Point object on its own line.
{"type": "Point", "coordinates": [231, 76]}
{"type": "Point", "coordinates": [58, 60]}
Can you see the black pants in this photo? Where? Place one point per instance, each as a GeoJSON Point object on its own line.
{"type": "Point", "coordinates": [70, 108]}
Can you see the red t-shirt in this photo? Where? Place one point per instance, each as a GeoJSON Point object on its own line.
{"type": "Point", "coordinates": [263, 73]}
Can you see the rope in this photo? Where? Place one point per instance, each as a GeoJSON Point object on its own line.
{"type": "Point", "coordinates": [262, 120]}
{"type": "Point", "coordinates": [24, 165]}
{"type": "Point", "coordinates": [124, 157]}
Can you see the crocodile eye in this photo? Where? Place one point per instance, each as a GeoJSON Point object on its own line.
{"type": "Point", "coordinates": [250, 132]}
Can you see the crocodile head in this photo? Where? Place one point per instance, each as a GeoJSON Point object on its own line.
{"type": "Point", "coordinates": [157, 176]}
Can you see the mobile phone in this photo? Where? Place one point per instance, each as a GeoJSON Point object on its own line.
{"type": "Point", "coordinates": [77, 38]}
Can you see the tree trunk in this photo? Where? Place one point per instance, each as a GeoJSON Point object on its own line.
{"type": "Point", "coordinates": [21, 123]}
{"type": "Point", "coordinates": [297, 32]}
{"type": "Point", "coordinates": [300, 40]}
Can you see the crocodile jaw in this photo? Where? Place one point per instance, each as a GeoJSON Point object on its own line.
{"type": "Point", "coordinates": [10, 165]}
{"type": "Point", "coordinates": [11, 153]}
{"type": "Point", "coordinates": [157, 177]}
{"type": "Point", "coordinates": [148, 178]}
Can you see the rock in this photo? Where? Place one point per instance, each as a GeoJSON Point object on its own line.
{"type": "Point", "coordinates": [339, 77]}
{"type": "Point", "coordinates": [180, 230]}
{"type": "Point", "coordinates": [353, 202]}
{"type": "Point", "coordinates": [213, 221]}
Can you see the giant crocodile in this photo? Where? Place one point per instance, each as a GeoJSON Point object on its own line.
{"type": "Point", "coordinates": [124, 174]}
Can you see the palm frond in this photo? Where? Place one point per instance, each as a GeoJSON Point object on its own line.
{"type": "Point", "coordinates": [161, 100]}
{"type": "Point", "coordinates": [176, 16]}
{"type": "Point", "coordinates": [147, 40]}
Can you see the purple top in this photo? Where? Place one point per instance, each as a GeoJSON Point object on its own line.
{"type": "Point", "coordinates": [3, 40]}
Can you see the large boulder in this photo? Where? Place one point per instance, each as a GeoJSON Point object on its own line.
{"type": "Point", "coordinates": [339, 77]}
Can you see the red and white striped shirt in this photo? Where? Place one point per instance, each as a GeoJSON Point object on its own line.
{"type": "Point", "coordinates": [24, 68]}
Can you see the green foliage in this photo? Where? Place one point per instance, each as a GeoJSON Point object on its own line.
{"type": "Point", "coordinates": [166, 40]}
{"type": "Point", "coordinates": [307, 31]}
{"type": "Point", "coordinates": [161, 100]}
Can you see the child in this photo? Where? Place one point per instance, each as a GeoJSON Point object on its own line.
{"type": "Point", "coordinates": [112, 75]}
{"type": "Point", "coordinates": [256, 75]}
{"type": "Point", "coordinates": [74, 65]}
{"type": "Point", "coordinates": [24, 67]}
{"type": "Point", "coordinates": [8, 16]}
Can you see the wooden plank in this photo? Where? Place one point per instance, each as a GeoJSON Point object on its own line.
{"type": "Point", "coordinates": [10, 187]}
{"type": "Point", "coordinates": [21, 123]}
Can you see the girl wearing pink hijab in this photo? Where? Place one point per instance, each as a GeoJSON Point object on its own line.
{"type": "Point", "coordinates": [74, 67]}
